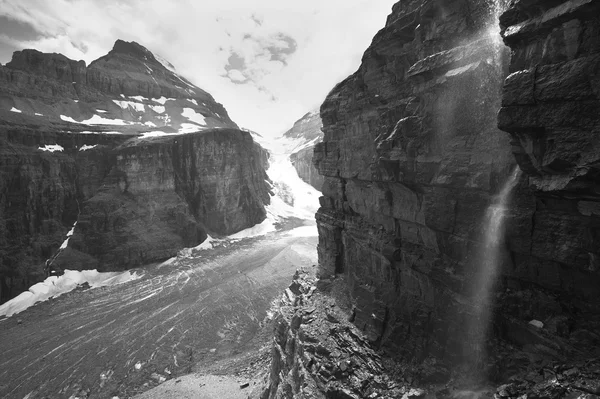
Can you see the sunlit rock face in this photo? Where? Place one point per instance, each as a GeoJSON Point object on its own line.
{"type": "Point", "coordinates": [412, 157]}
{"type": "Point", "coordinates": [307, 133]}
{"type": "Point", "coordinates": [94, 146]}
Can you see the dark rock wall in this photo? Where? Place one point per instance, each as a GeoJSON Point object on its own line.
{"type": "Point", "coordinates": [412, 158]}
{"type": "Point", "coordinates": [135, 200]}
{"type": "Point", "coordinates": [551, 108]}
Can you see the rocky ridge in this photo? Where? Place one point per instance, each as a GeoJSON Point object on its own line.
{"type": "Point", "coordinates": [129, 191]}
{"type": "Point", "coordinates": [306, 133]}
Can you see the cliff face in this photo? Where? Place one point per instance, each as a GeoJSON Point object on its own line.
{"type": "Point", "coordinates": [135, 200]}
{"type": "Point", "coordinates": [306, 132]}
{"type": "Point", "coordinates": [412, 158]}
{"type": "Point", "coordinates": [93, 145]}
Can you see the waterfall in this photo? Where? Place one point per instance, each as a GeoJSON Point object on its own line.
{"type": "Point", "coordinates": [486, 272]}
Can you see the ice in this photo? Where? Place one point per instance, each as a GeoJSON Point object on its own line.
{"type": "Point", "coordinates": [13, 109]}
{"type": "Point", "coordinates": [55, 286]}
{"type": "Point", "coordinates": [86, 147]}
{"type": "Point", "coordinates": [193, 116]}
{"type": "Point", "coordinates": [293, 197]}
{"type": "Point", "coordinates": [51, 148]}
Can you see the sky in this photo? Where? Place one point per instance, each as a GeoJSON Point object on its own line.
{"type": "Point", "coordinates": [267, 61]}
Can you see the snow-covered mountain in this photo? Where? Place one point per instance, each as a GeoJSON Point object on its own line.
{"type": "Point", "coordinates": [129, 87]}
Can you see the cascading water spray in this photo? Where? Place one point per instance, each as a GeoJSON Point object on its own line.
{"type": "Point", "coordinates": [487, 268]}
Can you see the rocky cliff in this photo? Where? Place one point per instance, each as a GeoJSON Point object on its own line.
{"type": "Point", "coordinates": [412, 158]}
{"type": "Point", "coordinates": [129, 190]}
{"type": "Point", "coordinates": [306, 132]}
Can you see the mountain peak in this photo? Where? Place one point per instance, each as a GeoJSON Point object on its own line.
{"type": "Point", "coordinates": [133, 49]}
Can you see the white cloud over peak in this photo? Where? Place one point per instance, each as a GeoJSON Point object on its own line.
{"type": "Point", "coordinates": [267, 61]}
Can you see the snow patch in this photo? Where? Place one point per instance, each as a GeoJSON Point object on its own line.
{"type": "Point", "coordinates": [68, 119]}
{"type": "Point", "coordinates": [13, 109]}
{"type": "Point", "coordinates": [155, 133]}
{"type": "Point", "coordinates": [149, 123]}
{"type": "Point", "coordinates": [55, 286]}
{"type": "Point", "coordinates": [193, 101]}
{"type": "Point", "coordinates": [139, 98]}
{"type": "Point", "coordinates": [51, 148]}
{"type": "Point", "coordinates": [69, 234]}
{"type": "Point", "coordinates": [193, 116]}
{"type": "Point", "coordinates": [130, 104]}
{"type": "Point", "coordinates": [38, 114]}
{"type": "Point", "coordinates": [159, 109]}
{"type": "Point", "coordinates": [102, 111]}
{"type": "Point", "coordinates": [86, 147]}
{"type": "Point", "coordinates": [189, 128]}
{"type": "Point", "coordinates": [162, 100]}
{"type": "Point", "coordinates": [98, 120]}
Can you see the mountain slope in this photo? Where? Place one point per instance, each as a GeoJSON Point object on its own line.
{"type": "Point", "coordinates": [127, 87]}
{"type": "Point", "coordinates": [303, 136]}
{"type": "Point", "coordinates": [127, 155]}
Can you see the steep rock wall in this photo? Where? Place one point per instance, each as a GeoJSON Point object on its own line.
{"type": "Point", "coordinates": [412, 158]}
{"type": "Point", "coordinates": [135, 200]}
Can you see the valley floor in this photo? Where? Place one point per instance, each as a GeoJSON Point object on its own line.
{"type": "Point", "coordinates": [192, 313]}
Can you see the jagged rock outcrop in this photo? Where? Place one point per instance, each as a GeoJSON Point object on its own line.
{"type": "Point", "coordinates": [412, 158]}
{"type": "Point", "coordinates": [93, 145]}
{"type": "Point", "coordinates": [306, 132]}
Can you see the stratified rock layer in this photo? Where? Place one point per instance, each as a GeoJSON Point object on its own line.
{"type": "Point", "coordinates": [306, 132]}
{"type": "Point", "coordinates": [412, 158]}
{"type": "Point", "coordinates": [135, 200]}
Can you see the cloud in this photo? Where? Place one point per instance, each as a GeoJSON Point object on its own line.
{"type": "Point", "coordinates": [267, 61]}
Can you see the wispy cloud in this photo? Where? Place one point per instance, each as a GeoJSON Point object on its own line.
{"type": "Point", "coordinates": [267, 61]}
